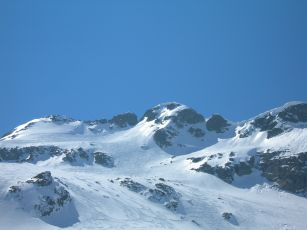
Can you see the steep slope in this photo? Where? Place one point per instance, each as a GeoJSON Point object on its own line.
{"type": "Point", "coordinates": [272, 144]}
{"type": "Point", "coordinates": [122, 174]}
{"type": "Point", "coordinates": [178, 129]}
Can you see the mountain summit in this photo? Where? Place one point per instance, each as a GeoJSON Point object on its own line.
{"type": "Point", "coordinates": [171, 169]}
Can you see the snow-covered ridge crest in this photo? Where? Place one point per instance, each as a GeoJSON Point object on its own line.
{"type": "Point", "coordinates": [276, 121]}
{"type": "Point", "coordinates": [55, 125]}
{"type": "Point", "coordinates": [173, 169]}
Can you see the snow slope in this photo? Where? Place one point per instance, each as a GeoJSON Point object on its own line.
{"type": "Point", "coordinates": [152, 185]}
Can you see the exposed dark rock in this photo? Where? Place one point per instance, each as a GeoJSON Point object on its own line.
{"type": "Point", "coordinates": [217, 123]}
{"type": "Point", "coordinates": [243, 133]}
{"type": "Point", "coordinates": [195, 159]}
{"type": "Point", "coordinates": [295, 113]}
{"type": "Point", "coordinates": [42, 194]}
{"type": "Point", "coordinates": [150, 114]}
{"type": "Point", "coordinates": [14, 189]}
{"type": "Point", "coordinates": [188, 116]}
{"type": "Point", "coordinates": [132, 185]}
{"type": "Point", "coordinates": [230, 218]}
{"type": "Point", "coordinates": [274, 132]}
{"type": "Point", "coordinates": [274, 123]}
{"type": "Point", "coordinates": [265, 123]}
{"type": "Point", "coordinates": [74, 154]}
{"type": "Point", "coordinates": [162, 193]}
{"type": "Point", "coordinates": [97, 122]}
{"type": "Point", "coordinates": [162, 137]}
{"type": "Point", "coordinates": [268, 123]}
{"type": "Point", "coordinates": [225, 173]}
{"type": "Point", "coordinates": [29, 154]}
{"type": "Point", "coordinates": [61, 119]}
{"type": "Point", "coordinates": [196, 132]}
{"type": "Point", "coordinates": [103, 159]}
{"type": "Point", "coordinates": [124, 120]}
{"type": "Point", "coordinates": [288, 172]}
{"type": "Point", "coordinates": [165, 195]}
{"type": "Point", "coordinates": [172, 106]}
{"type": "Point", "coordinates": [243, 168]}
{"type": "Point", "coordinates": [41, 179]}
{"type": "Point", "coordinates": [227, 215]}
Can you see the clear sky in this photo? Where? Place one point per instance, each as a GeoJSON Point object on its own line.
{"type": "Point", "coordinates": [91, 59]}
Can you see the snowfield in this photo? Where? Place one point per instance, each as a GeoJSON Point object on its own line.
{"type": "Point", "coordinates": [172, 169]}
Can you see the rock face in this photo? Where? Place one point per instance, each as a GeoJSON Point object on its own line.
{"type": "Point", "coordinates": [124, 120]}
{"type": "Point", "coordinates": [166, 195]}
{"type": "Point", "coordinates": [217, 123]}
{"type": "Point", "coordinates": [276, 122]}
{"type": "Point", "coordinates": [295, 113]}
{"type": "Point", "coordinates": [161, 193]}
{"type": "Point", "coordinates": [41, 179]}
{"type": "Point", "coordinates": [75, 155]}
{"type": "Point", "coordinates": [104, 159]}
{"type": "Point", "coordinates": [225, 171]}
{"type": "Point", "coordinates": [42, 196]}
{"type": "Point", "coordinates": [288, 172]}
{"type": "Point", "coordinates": [33, 154]}
{"type": "Point", "coordinates": [177, 127]}
{"type": "Point", "coordinates": [132, 185]}
{"type": "Point", "coordinates": [30, 154]}
{"type": "Point", "coordinates": [228, 216]}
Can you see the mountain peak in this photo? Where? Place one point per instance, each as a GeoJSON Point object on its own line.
{"type": "Point", "coordinates": [174, 111]}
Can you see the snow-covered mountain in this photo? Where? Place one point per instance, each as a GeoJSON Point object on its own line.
{"type": "Point", "coordinates": [171, 169]}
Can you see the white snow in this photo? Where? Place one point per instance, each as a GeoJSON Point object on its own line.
{"type": "Point", "coordinates": [102, 203]}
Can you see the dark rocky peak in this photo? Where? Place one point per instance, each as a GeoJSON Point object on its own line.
{"type": "Point", "coordinates": [41, 179]}
{"type": "Point", "coordinates": [124, 120]}
{"type": "Point", "coordinates": [155, 112]}
{"type": "Point", "coordinates": [60, 119]}
{"type": "Point", "coordinates": [217, 124]}
{"type": "Point", "coordinates": [277, 121]}
{"type": "Point", "coordinates": [97, 122]}
{"type": "Point", "coordinates": [46, 198]}
{"type": "Point", "coordinates": [178, 113]}
{"type": "Point", "coordinates": [294, 112]}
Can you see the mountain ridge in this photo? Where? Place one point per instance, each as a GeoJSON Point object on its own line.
{"type": "Point", "coordinates": [171, 169]}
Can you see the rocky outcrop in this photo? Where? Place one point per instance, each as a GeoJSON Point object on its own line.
{"type": "Point", "coordinates": [227, 171]}
{"type": "Point", "coordinates": [276, 122]}
{"type": "Point", "coordinates": [166, 195]}
{"type": "Point", "coordinates": [76, 155]}
{"type": "Point", "coordinates": [30, 154]}
{"type": "Point", "coordinates": [163, 137]}
{"type": "Point", "coordinates": [104, 159]}
{"type": "Point", "coordinates": [287, 172]}
{"type": "Point", "coordinates": [42, 196]}
{"type": "Point", "coordinates": [172, 121]}
{"type": "Point", "coordinates": [161, 193]}
{"type": "Point", "coordinates": [295, 113]}
{"type": "Point", "coordinates": [228, 216]}
{"type": "Point", "coordinates": [132, 185]}
{"type": "Point", "coordinates": [33, 154]}
{"type": "Point", "coordinates": [124, 120]}
{"type": "Point", "coordinates": [217, 124]}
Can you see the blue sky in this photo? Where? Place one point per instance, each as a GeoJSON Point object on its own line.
{"type": "Point", "coordinates": [94, 59]}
